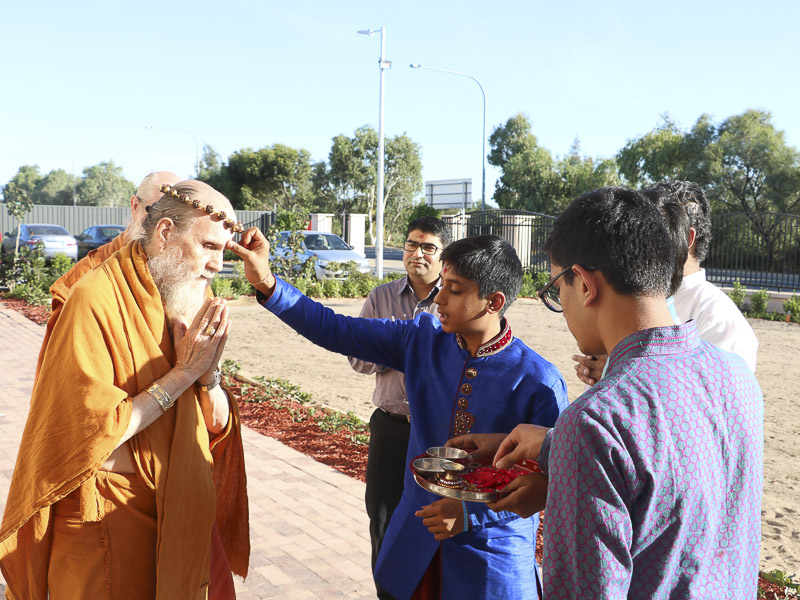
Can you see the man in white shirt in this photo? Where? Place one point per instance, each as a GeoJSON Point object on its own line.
{"type": "Point", "coordinates": [718, 319]}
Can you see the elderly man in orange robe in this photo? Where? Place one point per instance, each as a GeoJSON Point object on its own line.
{"type": "Point", "coordinates": [132, 451]}
{"type": "Point", "coordinates": [146, 194]}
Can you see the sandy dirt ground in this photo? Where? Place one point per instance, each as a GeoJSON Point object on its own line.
{"type": "Point", "coordinates": [262, 345]}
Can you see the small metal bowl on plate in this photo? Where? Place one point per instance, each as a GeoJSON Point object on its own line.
{"type": "Point", "coordinates": [430, 464]}
{"type": "Point", "coordinates": [445, 452]}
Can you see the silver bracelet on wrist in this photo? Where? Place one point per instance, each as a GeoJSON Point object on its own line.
{"type": "Point", "coordinates": [212, 385]}
{"type": "Point", "coordinates": [161, 396]}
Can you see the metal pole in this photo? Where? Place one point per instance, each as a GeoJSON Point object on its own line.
{"type": "Point", "coordinates": [483, 149]}
{"type": "Point", "coordinates": [379, 211]}
{"type": "Point", "coordinates": [196, 146]}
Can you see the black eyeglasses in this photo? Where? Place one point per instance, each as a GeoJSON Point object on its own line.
{"type": "Point", "coordinates": [411, 246]}
{"type": "Point", "coordinates": [549, 294]}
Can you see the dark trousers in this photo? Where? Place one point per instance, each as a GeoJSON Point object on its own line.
{"type": "Point", "coordinates": [386, 467]}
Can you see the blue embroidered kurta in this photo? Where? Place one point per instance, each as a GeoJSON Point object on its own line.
{"type": "Point", "coordinates": [449, 392]}
{"type": "Point", "coordinates": [655, 476]}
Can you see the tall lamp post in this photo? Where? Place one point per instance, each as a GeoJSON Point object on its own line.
{"type": "Point", "coordinates": [196, 147]}
{"type": "Point", "coordinates": [74, 200]}
{"type": "Point", "coordinates": [383, 64]}
{"type": "Point", "coordinates": [483, 150]}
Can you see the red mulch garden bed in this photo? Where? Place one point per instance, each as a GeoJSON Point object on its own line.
{"type": "Point", "coordinates": [289, 423]}
{"type": "Point", "coordinates": [37, 314]}
{"type": "Point", "coordinates": [280, 420]}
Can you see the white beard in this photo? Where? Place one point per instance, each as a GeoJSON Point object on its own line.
{"type": "Point", "coordinates": [182, 293]}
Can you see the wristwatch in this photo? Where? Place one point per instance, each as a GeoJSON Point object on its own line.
{"type": "Point", "coordinates": [212, 385]}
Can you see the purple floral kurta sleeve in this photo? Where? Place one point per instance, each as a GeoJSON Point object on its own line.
{"type": "Point", "coordinates": [656, 476]}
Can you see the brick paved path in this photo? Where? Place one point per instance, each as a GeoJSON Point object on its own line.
{"type": "Point", "coordinates": [308, 527]}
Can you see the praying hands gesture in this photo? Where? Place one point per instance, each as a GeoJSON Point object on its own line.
{"type": "Point", "coordinates": [199, 345]}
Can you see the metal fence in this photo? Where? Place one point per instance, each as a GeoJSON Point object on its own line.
{"type": "Point", "coordinates": [75, 219]}
{"type": "Point", "coordinates": [761, 250]}
{"type": "Point", "coordinates": [525, 231]}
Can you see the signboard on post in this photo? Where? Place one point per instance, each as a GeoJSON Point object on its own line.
{"type": "Point", "coordinates": [449, 193]}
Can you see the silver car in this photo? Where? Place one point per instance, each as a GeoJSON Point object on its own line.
{"type": "Point", "coordinates": [53, 239]}
{"type": "Point", "coordinates": [328, 248]}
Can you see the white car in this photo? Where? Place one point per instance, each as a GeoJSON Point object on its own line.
{"type": "Point", "coordinates": [53, 239]}
{"type": "Point", "coordinates": [328, 248]}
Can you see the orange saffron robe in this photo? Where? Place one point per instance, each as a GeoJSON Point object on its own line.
{"type": "Point", "coordinates": [110, 343]}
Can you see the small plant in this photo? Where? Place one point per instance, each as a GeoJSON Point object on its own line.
{"type": "Point", "coordinates": [336, 421]}
{"type": "Point", "coordinates": [792, 306]}
{"type": "Point", "coordinates": [532, 282]}
{"type": "Point", "coordinates": [239, 282]}
{"type": "Point", "coordinates": [28, 276]}
{"type": "Point", "coordinates": [230, 367]}
{"type": "Point", "coordinates": [758, 302]}
{"type": "Point", "coordinates": [222, 287]}
{"type": "Point", "coordinates": [738, 294]}
{"type": "Point", "coordinates": [780, 578]}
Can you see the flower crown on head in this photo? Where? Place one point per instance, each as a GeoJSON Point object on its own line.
{"type": "Point", "coordinates": [227, 223]}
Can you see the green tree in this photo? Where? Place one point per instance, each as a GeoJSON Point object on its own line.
{"type": "Point", "coordinates": [752, 169]}
{"type": "Point", "coordinates": [104, 185]}
{"type": "Point", "coordinates": [21, 188]}
{"type": "Point", "coordinates": [535, 181]}
{"type": "Point", "coordinates": [348, 183]}
{"type": "Point", "coordinates": [580, 174]}
{"type": "Point", "coordinates": [402, 184]}
{"type": "Point", "coordinates": [666, 152]}
{"type": "Point", "coordinates": [214, 172]}
{"type": "Point", "coordinates": [55, 188]}
{"type": "Point", "coordinates": [276, 175]}
{"type": "Point", "coordinates": [17, 194]}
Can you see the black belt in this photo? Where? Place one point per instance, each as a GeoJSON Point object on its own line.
{"type": "Point", "coordinates": [395, 416]}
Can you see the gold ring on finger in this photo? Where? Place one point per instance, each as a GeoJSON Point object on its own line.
{"type": "Point", "coordinates": [209, 331]}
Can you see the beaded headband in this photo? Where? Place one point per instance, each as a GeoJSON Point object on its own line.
{"type": "Point", "coordinates": [227, 223]}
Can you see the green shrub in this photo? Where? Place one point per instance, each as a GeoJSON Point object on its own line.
{"type": "Point", "coordinates": [738, 294]}
{"type": "Point", "coordinates": [32, 294]}
{"type": "Point", "coordinates": [60, 265]}
{"type": "Point", "coordinates": [241, 286]}
{"type": "Point", "coordinates": [792, 305]}
{"type": "Point", "coordinates": [532, 282]}
{"type": "Point", "coordinates": [758, 302]}
{"type": "Point", "coordinates": [331, 288]}
{"type": "Point", "coordinates": [222, 287]}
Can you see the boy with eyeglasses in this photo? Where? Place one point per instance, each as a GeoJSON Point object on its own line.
{"type": "Point", "coordinates": [389, 425]}
{"type": "Point", "coordinates": [655, 473]}
{"type": "Point", "coordinates": [464, 373]}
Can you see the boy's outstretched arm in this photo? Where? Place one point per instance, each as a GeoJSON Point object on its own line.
{"type": "Point", "coordinates": [253, 249]}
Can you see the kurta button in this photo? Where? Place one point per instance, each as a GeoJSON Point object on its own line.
{"type": "Point", "coordinates": [463, 403]}
{"type": "Point", "coordinates": [466, 389]}
{"type": "Point", "coordinates": [471, 373]}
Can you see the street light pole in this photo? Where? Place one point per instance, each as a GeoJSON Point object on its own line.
{"type": "Point", "coordinates": [483, 150]}
{"type": "Point", "coordinates": [383, 64]}
{"type": "Point", "coordinates": [74, 200]}
{"type": "Point", "coordinates": [196, 147]}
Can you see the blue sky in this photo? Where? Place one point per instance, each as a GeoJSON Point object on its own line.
{"type": "Point", "coordinates": [81, 80]}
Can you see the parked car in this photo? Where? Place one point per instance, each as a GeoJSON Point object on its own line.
{"type": "Point", "coordinates": [328, 248]}
{"type": "Point", "coordinates": [95, 236]}
{"type": "Point", "coordinates": [53, 239]}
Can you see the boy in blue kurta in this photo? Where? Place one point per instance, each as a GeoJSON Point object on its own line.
{"type": "Point", "coordinates": [464, 373]}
